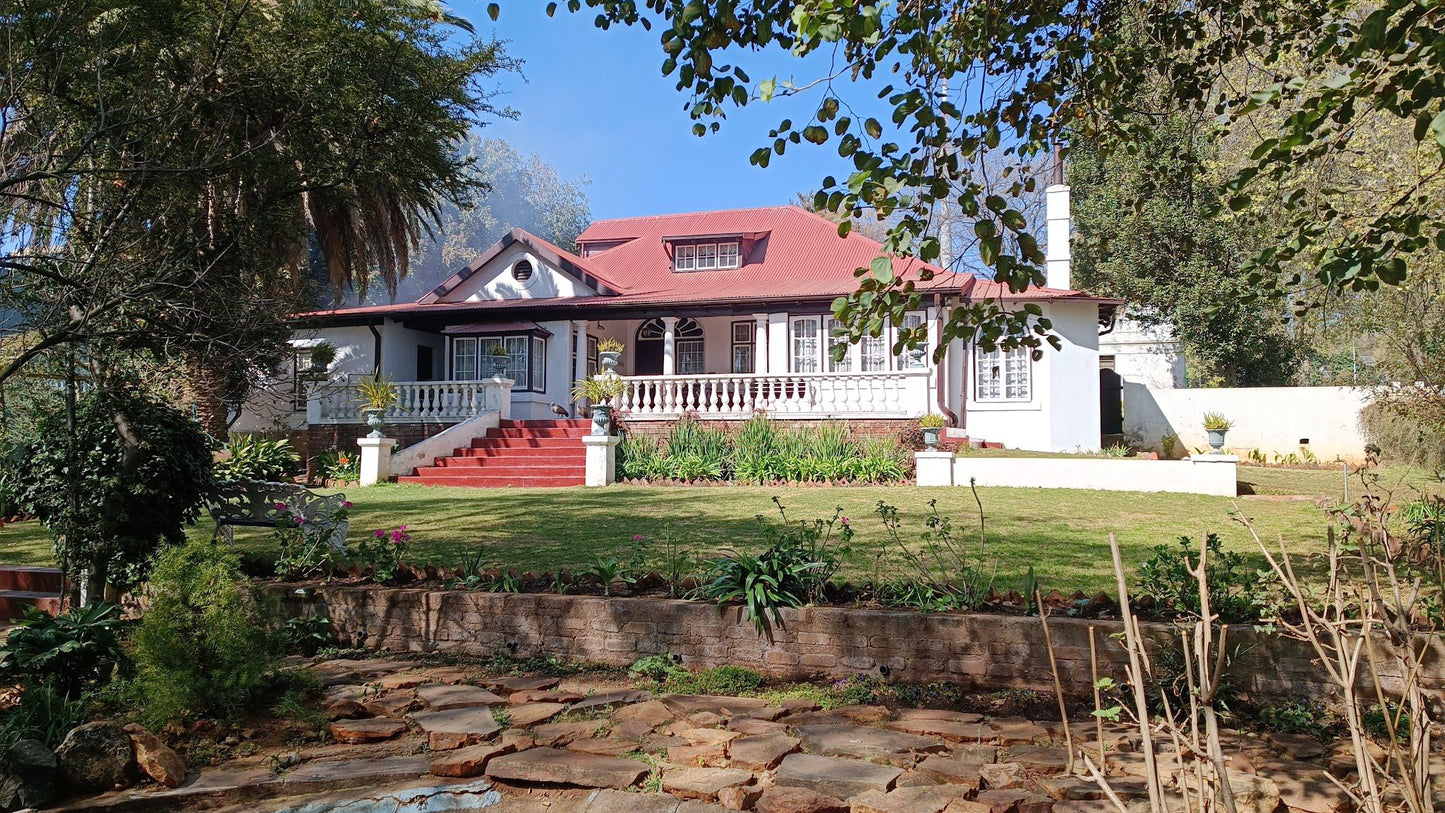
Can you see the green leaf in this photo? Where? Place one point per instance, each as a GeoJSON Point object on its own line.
{"type": "Point", "coordinates": [494, 10]}
{"type": "Point", "coordinates": [1437, 126]}
{"type": "Point", "coordinates": [882, 268]}
{"type": "Point", "coordinates": [767, 88]}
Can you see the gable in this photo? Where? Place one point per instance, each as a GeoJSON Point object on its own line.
{"type": "Point", "coordinates": [496, 277]}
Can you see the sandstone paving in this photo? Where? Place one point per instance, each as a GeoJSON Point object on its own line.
{"type": "Point", "coordinates": [863, 742]}
{"type": "Point", "coordinates": [703, 783]}
{"type": "Point", "coordinates": [376, 729]}
{"type": "Point", "coordinates": [831, 776]}
{"type": "Point", "coordinates": [447, 730]}
{"type": "Point", "coordinates": [952, 730]}
{"type": "Point", "coordinates": [926, 799]}
{"type": "Point", "coordinates": [468, 762]}
{"type": "Point", "coordinates": [798, 800]}
{"type": "Point", "coordinates": [446, 697]}
{"type": "Point", "coordinates": [530, 714]}
{"type": "Point", "coordinates": [762, 752]}
{"type": "Point", "coordinates": [553, 766]}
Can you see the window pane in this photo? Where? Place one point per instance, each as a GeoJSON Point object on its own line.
{"type": "Point", "coordinates": [805, 345]}
{"type": "Point", "coordinates": [988, 375]}
{"type": "Point", "coordinates": [727, 255]}
{"type": "Point", "coordinates": [538, 364]}
{"type": "Point", "coordinates": [689, 357]}
{"type": "Point", "coordinates": [684, 258]}
{"type": "Point", "coordinates": [517, 361]}
{"type": "Point", "coordinates": [907, 360]}
{"type": "Point", "coordinates": [742, 358]}
{"type": "Point", "coordinates": [707, 256]}
{"type": "Point", "coordinates": [464, 360]}
{"type": "Point", "coordinates": [846, 365]}
{"type": "Point", "coordinates": [592, 366]}
{"type": "Point", "coordinates": [743, 332]}
{"type": "Point", "coordinates": [873, 351]}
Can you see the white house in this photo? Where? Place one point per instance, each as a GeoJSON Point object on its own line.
{"type": "Point", "coordinates": [722, 314]}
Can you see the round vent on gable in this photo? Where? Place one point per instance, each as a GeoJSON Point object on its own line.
{"type": "Point", "coordinates": [522, 271]}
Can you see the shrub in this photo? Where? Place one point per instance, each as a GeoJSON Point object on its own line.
{"type": "Point", "coordinates": [381, 553]}
{"type": "Point", "coordinates": [124, 485]}
{"type": "Point", "coordinates": [70, 653]}
{"type": "Point", "coordinates": [1237, 594]}
{"type": "Point", "coordinates": [944, 574]}
{"type": "Point", "coordinates": [41, 714]}
{"type": "Point", "coordinates": [307, 636]}
{"type": "Point", "coordinates": [205, 645]}
{"type": "Point", "coordinates": [253, 457]}
{"type": "Point", "coordinates": [336, 464]}
{"type": "Point", "coordinates": [1407, 425]}
{"type": "Point", "coordinates": [307, 545]}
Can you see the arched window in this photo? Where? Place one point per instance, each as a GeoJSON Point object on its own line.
{"type": "Point", "coordinates": [522, 271]}
{"type": "Point", "coordinates": [687, 344]}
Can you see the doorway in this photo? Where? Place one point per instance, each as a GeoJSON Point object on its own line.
{"type": "Point", "coordinates": [1111, 398]}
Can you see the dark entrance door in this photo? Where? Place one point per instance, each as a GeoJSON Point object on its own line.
{"type": "Point", "coordinates": [1111, 399]}
{"type": "Point", "coordinates": [647, 357]}
{"type": "Point", "coordinates": [424, 363]}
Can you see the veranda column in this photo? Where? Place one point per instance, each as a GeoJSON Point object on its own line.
{"type": "Point", "coordinates": [579, 331]}
{"type": "Point", "coordinates": [934, 373]}
{"type": "Point", "coordinates": [669, 345]}
{"type": "Point", "coordinates": [760, 343]}
{"type": "Point", "coordinates": [777, 343]}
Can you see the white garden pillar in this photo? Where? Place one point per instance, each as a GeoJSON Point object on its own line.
{"type": "Point", "coordinates": [933, 468]}
{"type": "Point", "coordinates": [601, 459]}
{"type": "Point", "coordinates": [669, 345]}
{"type": "Point", "coordinates": [579, 348]}
{"type": "Point", "coordinates": [760, 343]}
{"type": "Point", "coordinates": [375, 459]}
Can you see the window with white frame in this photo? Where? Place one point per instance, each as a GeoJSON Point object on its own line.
{"type": "Point", "coordinates": [690, 357]}
{"type": "Point", "coordinates": [805, 334]}
{"type": "Point", "coordinates": [684, 258]}
{"type": "Point", "coordinates": [908, 360]}
{"type": "Point", "coordinates": [1001, 375]}
{"type": "Point", "coordinates": [873, 353]}
{"type": "Point", "coordinates": [706, 256]}
{"type": "Point", "coordinates": [727, 255]}
{"type": "Point", "coordinates": [526, 360]}
{"type": "Point", "coordinates": [743, 343]}
{"type": "Point", "coordinates": [592, 365]}
{"type": "Point", "coordinates": [844, 365]}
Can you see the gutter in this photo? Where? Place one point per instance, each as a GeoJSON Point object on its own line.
{"type": "Point", "coordinates": [376, 351]}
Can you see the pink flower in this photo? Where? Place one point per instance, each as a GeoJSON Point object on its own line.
{"type": "Point", "coordinates": [398, 534]}
{"type": "Point", "coordinates": [845, 520]}
{"type": "Point", "coordinates": [300, 520]}
{"type": "Point", "coordinates": [379, 533]}
{"type": "Point", "coordinates": [638, 538]}
{"type": "Point", "coordinates": [346, 504]}
{"type": "Point", "coordinates": [280, 506]}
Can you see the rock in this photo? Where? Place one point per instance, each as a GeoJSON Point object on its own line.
{"type": "Point", "coordinates": [1002, 775]}
{"type": "Point", "coordinates": [739, 797]}
{"type": "Point", "coordinates": [864, 714]}
{"type": "Point", "coordinates": [94, 757]}
{"type": "Point", "coordinates": [840, 778]}
{"type": "Point", "coordinates": [631, 730]}
{"type": "Point", "coordinates": [469, 762]}
{"type": "Point", "coordinates": [708, 736]}
{"type": "Point", "coordinates": [1298, 746]}
{"type": "Point", "coordinates": [752, 727]}
{"type": "Point", "coordinates": [345, 709]}
{"type": "Point", "coordinates": [705, 719]}
{"type": "Point", "coordinates": [951, 730]}
{"type": "Point", "coordinates": [527, 684]}
{"type": "Point", "coordinates": [606, 748]}
{"type": "Point", "coordinates": [604, 801]}
{"type": "Point", "coordinates": [543, 696]}
{"type": "Point", "coordinates": [154, 758]}
{"type": "Point", "coordinates": [862, 742]}
{"type": "Point", "coordinates": [724, 706]}
{"type": "Point", "coordinates": [940, 714]}
{"type": "Point", "coordinates": [698, 756]}
{"type": "Point", "coordinates": [1303, 786]}
{"type": "Point", "coordinates": [927, 799]}
{"type": "Point", "coordinates": [357, 732]}
{"type": "Point", "coordinates": [965, 806]}
{"type": "Point", "coordinates": [1017, 731]}
{"type": "Point", "coordinates": [27, 776]}
{"type": "Point", "coordinates": [703, 783]}
{"type": "Point", "coordinates": [798, 800]}
{"type": "Point", "coordinates": [651, 712]}
{"type": "Point", "coordinates": [517, 739]}
{"type": "Point", "coordinates": [1038, 760]}
{"type": "Point", "coordinates": [1253, 794]}
{"type": "Point", "coordinates": [530, 714]}
{"type": "Point", "coordinates": [610, 700]}
{"type": "Point", "coordinates": [556, 735]}
{"type": "Point", "coordinates": [440, 697]}
{"type": "Point", "coordinates": [392, 705]}
{"type": "Point", "coordinates": [448, 730]}
{"type": "Point", "coordinates": [952, 771]}
{"type": "Point", "coordinates": [796, 704]}
{"type": "Point", "coordinates": [761, 753]}
{"type": "Point", "coordinates": [1002, 800]}
{"type": "Point", "coordinates": [567, 768]}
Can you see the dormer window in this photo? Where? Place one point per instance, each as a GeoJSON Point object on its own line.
{"type": "Point", "coordinates": [707, 256]}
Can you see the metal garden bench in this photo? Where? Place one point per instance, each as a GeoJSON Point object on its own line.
{"type": "Point", "coordinates": [252, 504]}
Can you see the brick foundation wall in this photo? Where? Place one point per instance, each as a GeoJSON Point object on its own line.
{"type": "Point", "coordinates": [979, 652]}
{"type": "Point", "coordinates": [321, 437]}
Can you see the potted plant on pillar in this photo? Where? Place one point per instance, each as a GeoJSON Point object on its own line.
{"type": "Point", "coordinates": [377, 396]}
{"type": "Point", "coordinates": [599, 392]}
{"type": "Point", "coordinates": [932, 426]}
{"type": "Point", "coordinates": [1216, 425]}
{"type": "Point", "coordinates": [609, 352]}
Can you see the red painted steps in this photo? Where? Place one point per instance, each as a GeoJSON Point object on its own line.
{"type": "Point", "coordinates": [520, 454]}
{"type": "Point", "coordinates": [22, 586]}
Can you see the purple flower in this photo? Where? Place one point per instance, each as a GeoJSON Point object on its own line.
{"type": "Point", "coordinates": [638, 538]}
{"type": "Point", "coordinates": [379, 533]}
{"type": "Point", "coordinates": [280, 506]}
{"type": "Point", "coordinates": [398, 535]}
{"type": "Point", "coordinates": [845, 520]}
{"type": "Point", "coordinates": [300, 520]}
{"type": "Point", "coordinates": [346, 504]}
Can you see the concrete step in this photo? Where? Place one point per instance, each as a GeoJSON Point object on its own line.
{"type": "Point", "coordinates": [491, 481]}
{"type": "Point", "coordinates": [528, 432]}
{"type": "Point", "coordinates": [31, 579]}
{"type": "Point", "coordinates": [539, 452]}
{"type": "Point", "coordinates": [501, 470]}
{"type": "Point", "coordinates": [527, 443]}
{"type": "Point", "coordinates": [575, 423]}
{"type": "Point", "coordinates": [14, 602]}
{"type": "Point", "coordinates": [498, 463]}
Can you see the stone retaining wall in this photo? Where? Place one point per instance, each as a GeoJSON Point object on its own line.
{"type": "Point", "coordinates": [980, 652]}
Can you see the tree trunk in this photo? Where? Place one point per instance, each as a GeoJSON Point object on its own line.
{"type": "Point", "coordinates": [206, 387]}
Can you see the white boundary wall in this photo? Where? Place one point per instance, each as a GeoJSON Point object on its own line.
{"type": "Point", "coordinates": [1274, 420]}
{"type": "Point", "coordinates": [1204, 474]}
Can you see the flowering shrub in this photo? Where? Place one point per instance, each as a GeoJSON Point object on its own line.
{"type": "Point", "coordinates": [381, 554]}
{"type": "Point", "coordinates": [308, 545]}
{"type": "Point", "coordinates": [338, 464]}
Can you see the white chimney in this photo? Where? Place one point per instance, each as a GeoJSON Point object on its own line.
{"type": "Point", "coordinates": [1057, 222]}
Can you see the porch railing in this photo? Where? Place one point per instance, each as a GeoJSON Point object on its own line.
{"type": "Point", "coordinates": [416, 402]}
{"type": "Point", "coordinates": [801, 395]}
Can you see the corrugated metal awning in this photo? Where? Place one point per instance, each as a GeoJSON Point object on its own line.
{"type": "Point", "coordinates": [497, 329]}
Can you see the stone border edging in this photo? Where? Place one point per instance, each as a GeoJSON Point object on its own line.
{"type": "Point", "coordinates": [978, 651]}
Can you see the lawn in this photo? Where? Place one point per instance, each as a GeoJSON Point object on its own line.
{"type": "Point", "coordinates": [1063, 534]}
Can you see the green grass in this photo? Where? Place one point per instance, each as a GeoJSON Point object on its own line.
{"type": "Point", "coordinates": [1401, 482]}
{"type": "Point", "coordinates": [1063, 534]}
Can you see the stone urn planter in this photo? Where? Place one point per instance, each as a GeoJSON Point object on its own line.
{"type": "Point", "coordinates": [499, 366]}
{"type": "Point", "coordinates": [375, 418]}
{"type": "Point", "coordinates": [601, 419]}
{"type": "Point", "coordinates": [931, 436]}
{"type": "Point", "coordinates": [609, 360]}
{"type": "Point", "coordinates": [1216, 440]}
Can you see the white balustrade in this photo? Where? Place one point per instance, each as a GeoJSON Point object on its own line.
{"type": "Point", "coordinates": [803, 395]}
{"type": "Point", "coordinates": [416, 401]}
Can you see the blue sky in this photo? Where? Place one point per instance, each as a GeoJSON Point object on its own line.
{"type": "Point", "coordinates": [594, 103]}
